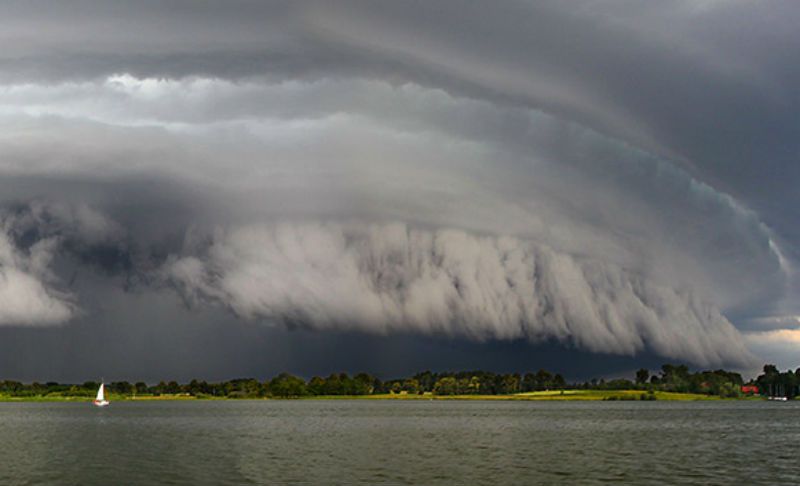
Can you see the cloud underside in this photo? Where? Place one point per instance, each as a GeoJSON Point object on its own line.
{"type": "Point", "coordinates": [32, 235]}
{"type": "Point", "coordinates": [374, 278]}
{"type": "Point", "coordinates": [383, 278]}
{"type": "Point", "coordinates": [586, 240]}
{"type": "Point", "coordinates": [26, 300]}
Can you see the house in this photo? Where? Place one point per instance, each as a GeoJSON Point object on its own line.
{"type": "Point", "coordinates": [750, 389]}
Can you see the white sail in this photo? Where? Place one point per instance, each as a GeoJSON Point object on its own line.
{"type": "Point", "coordinates": [100, 400]}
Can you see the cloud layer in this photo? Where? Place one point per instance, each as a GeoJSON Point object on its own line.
{"type": "Point", "coordinates": [615, 177]}
{"type": "Point", "coordinates": [31, 236]}
{"type": "Point", "coordinates": [24, 294]}
{"type": "Point", "coordinates": [384, 278]}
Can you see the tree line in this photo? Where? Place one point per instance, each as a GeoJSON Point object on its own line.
{"type": "Point", "coordinates": [671, 378]}
{"type": "Point", "coordinates": [287, 385]}
{"type": "Point", "coordinates": [773, 382]}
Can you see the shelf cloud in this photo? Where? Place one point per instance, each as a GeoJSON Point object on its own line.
{"type": "Point", "coordinates": [384, 278]}
{"type": "Point", "coordinates": [614, 178]}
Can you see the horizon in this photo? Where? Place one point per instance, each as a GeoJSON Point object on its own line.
{"type": "Point", "coordinates": [629, 375]}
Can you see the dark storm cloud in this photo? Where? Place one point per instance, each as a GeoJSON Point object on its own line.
{"type": "Point", "coordinates": [682, 72]}
{"type": "Point", "coordinates": [389, 278]}
{"type": "Point", "coordinates": [32, 234]}
{"type": "Point", "coordinates": [658, 142]}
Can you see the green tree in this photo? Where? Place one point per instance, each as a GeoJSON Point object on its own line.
{"type": "Point", "coordinates": [543, 380]}
{"type": "Point", "coordinates": [365, 384]}
{"type": "Point", "coordinates": [411, 386]}
{"type": "Point", "coordinates": [317, 386]}
{"type": "Point", "coordinates": [529, 382]}
{"type": "Point", "coordinates": [508, 384]}
{"type": "Point", "coordinates": [426, 380]}
{"type": "Point", "coordinates": [286, 385]}
{"type": "Point", "coordinates": [446, 386]}
{"type": "Point", "coordinates": [474, 386]}
{"type": "Point", "coordinates": [121, 387]}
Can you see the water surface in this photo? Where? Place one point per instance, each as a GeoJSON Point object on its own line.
{"type": "Point", "coordinates": [399, 442]}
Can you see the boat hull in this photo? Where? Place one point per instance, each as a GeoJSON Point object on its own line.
{"type": "Point", "coordinates": [778, 399]}
{"type": "Point", "coordinates": [100, 403]}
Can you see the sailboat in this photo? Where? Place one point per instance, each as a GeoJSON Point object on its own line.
{"type": "Point", "coordinates": [100, 399]}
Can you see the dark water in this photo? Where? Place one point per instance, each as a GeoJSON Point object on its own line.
{"type": "Point", "coordinates": [384, 442]}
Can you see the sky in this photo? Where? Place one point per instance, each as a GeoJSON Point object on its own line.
{"type": "Point", "coordinates": [225, 189]}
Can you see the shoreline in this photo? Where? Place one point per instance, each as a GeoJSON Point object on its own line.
{"type": "Point", "coordinates": [554, 395]}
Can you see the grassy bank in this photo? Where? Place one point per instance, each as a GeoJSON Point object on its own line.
{"type": "Point", "coordinates": [552, 395]}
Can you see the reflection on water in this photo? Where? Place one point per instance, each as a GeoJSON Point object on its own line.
{"type": "Point", "coordinates": [383, 442]}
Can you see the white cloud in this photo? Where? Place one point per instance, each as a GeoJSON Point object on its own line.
{"type": "Point", "coordinates": [383, 278]}
{"type": "Point", "coordinates": [31, 237]}
{"type": "Point", "coordinates": [26, 297]}
{"type": "Point", "coordinates": [779, 346]}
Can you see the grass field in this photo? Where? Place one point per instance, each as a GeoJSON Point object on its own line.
{"type": "Point", "coordinates": [611, 394]}
{"type": "Point", "coordinates": [552, 395]}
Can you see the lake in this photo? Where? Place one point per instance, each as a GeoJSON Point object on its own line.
{"type": "Point", "coordinates": [399, 442]}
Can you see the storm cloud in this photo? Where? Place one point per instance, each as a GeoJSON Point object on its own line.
{"type": "Point", "coordinates": [33, 233]}
{"type": "Point", "coordinates": [617, 178]}
{"type": "Point", "coordinates": [387, 277]}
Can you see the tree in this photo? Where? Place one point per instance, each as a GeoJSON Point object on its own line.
{"type": "Point", "coordinates": [769, 382]}
{"type": "Point", "coordinates": [529, 382]}
{"type": "Point", "coordinates": [462, 386]}
{"type": "Point", "coordinates": [195, 387]}
{"type": "Point", "coordinates": [642, 376]}
{"type": "Point", "coordinates": [89, 385]}
{"type": "Point", "coordinates": [543, 380]}
{"type": "Point", "coordinates": [316, 386]}
{"type": "Point", "coordinates": [426, 380]}
{"type": "Point", "coordinates": [675, 378]}
{"type": "Point", "coordinates": [474, 386]}
{"type": "Point", "coordinates": [365, 384]}
{"type": "Point", "coordinates": [446, 386]}
{"type": "Point", "coordinates": [286, 385]}
{"type": "Point", "coordinates": [173, 387]}
{"type": "Point", "coordinates": [508, 384]}
{"type": "Point", "coordinates": [121, 387]}
{"type": "Point", "coordinates": [411, 386]}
